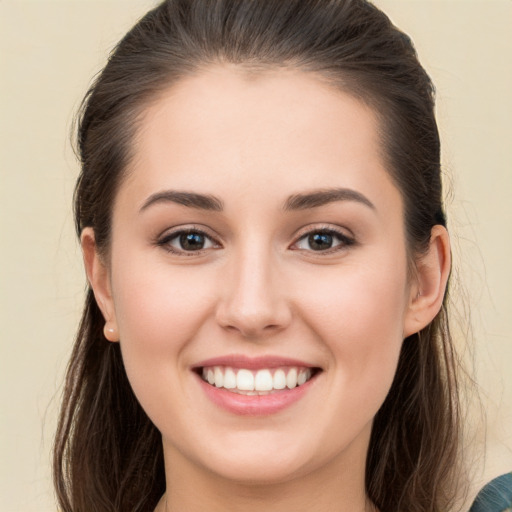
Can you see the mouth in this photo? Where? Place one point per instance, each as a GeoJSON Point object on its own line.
{"type": "Point", "coordinates": [260, 382]}
{"type": "Point", "coordinates": [255, 386]}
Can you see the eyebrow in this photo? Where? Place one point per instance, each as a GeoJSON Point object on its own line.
{"type": "Point", "coordinates": [321, 197]}
{"type": "Point", "coordinates": [190, 199]}
{"type": "Point", "coordinates": [303, 201]}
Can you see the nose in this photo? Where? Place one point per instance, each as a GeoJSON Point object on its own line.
{"type": "Point", "coordinates": [253, 297]}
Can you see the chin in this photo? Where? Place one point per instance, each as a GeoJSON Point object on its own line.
{"type": "Point", "coordinates": [260, 470]}
{"type": "Point", "coordinates": [266, 457]}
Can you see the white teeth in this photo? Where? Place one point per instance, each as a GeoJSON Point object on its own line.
{"type": "Point", "coordinates": [261, 382]}
{"type": "Point", "coordinates": [229, 379]}
{"type": "Point", "coordinates": [219, 377]}
{"type": "Point", "coordinates": [245, 380]}
{"type": "Point", "coordinates": [279, 379]}
{"type": "Point", "coordinates": [301, 379]}
{"type": "Point", "coordinates": [291, 378]}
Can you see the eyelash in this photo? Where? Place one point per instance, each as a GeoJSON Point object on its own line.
{"type": "Point", "coordinates": [344, 241]}
{"type": "Point", "coordinates": [165, 241]}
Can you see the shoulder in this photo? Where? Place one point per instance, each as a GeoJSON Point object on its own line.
{"type": "Point", "coordinates": [496, 496]}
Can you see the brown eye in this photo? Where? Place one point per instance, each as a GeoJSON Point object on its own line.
{"type": "Point", "coordinates": [320, 241]}
{"type": "Point", "coordinates": [323, 241]}
{"type": "Point", "coordinates": [192, 241]}
{"type": "Point", "coordinates": [187, 241]}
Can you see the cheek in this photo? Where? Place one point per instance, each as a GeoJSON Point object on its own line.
{"type": "Point", "coordinates": [158, 305]}
{"type": "Point", "coordinates": [159, 310]}
{"type": "Point", "coordinates": [359, 318]}
{"type": "Point", "coordinates": [366, 303]}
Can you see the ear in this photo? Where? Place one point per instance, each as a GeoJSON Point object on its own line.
{"type": "Point", "coordinates": [99, 278]}
{"type": "Point", "coordinates": [429, 286]}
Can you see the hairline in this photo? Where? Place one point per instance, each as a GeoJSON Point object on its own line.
{"type": "Point", "coordinates": [337, 81]}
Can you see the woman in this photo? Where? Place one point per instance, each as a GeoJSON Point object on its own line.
{"type": "Point", "coordinates": [261, 218]}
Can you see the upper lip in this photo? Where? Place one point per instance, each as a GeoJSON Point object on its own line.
{"type": "Point", "coordinates": [253, 363]}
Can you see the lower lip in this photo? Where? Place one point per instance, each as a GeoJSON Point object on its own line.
{"type": "Point", "coordinates": [255, 405]}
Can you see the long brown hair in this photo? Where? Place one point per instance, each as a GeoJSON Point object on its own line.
{"type": "Point", "coordinates": [108, 454]}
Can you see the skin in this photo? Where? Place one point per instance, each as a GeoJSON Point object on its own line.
{"type": "Point", "coordinates": [258, 288]}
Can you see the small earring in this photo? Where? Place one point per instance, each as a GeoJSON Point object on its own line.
{"type": "Point", "coordinates": [110, 333]}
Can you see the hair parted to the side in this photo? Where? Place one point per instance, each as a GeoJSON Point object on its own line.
{"type": "Point", "coordinates": [108, 455]}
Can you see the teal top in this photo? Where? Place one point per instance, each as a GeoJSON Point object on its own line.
{"type": "Point", "coordinates": [496, 496]}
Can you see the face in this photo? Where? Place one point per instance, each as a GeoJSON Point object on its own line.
{"type": "Point", "coordinates": [257, 276]}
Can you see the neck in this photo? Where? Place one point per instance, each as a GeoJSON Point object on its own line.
{"type": "Point", "coordinates": [334, 487]}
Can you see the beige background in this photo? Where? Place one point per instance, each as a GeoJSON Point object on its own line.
{"type": "Point", "coordinates": [49, 51]}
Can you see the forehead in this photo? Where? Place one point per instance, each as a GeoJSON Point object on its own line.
{"type": "Point", "coordinates": [227, 131]}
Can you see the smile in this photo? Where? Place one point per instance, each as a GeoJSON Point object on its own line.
{"type": "Point", "coordinates": [256, 382]}
{"type": "Point", "coordinates": [257, 386]}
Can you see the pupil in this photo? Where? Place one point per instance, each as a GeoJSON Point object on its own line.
{"type": "Point", "coordinates": [319, 241]}
{"type": "Point", "coordinates": [192, 241]}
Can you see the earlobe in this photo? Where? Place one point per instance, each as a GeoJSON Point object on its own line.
{"type": "Point", "coordinates": [432, 272]}
{"type": "Point", "coordinates": [99, 279]}
{"type": "Point", "coordinates": [110, 332]}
